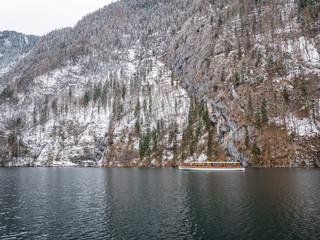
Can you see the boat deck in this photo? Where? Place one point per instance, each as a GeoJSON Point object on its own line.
{"type": "Point", "coordinates": [211, 166]}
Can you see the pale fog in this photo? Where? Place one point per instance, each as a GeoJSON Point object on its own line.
{"type": "Point", "coordinates": [39, 17]}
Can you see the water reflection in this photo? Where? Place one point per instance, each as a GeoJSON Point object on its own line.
{"type": "Point", "coordinates": [87, 203]}
{"type": "Point", "coordinates": [215, 203]}
{"type": "Point", "coordinates": [144, 203]}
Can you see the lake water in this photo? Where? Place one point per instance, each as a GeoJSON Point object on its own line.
{"type": "Point", "coordinates": [131, 203]}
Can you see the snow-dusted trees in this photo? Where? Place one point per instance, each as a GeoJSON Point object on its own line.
{"type": "Point", "coordinates": [86, 98]}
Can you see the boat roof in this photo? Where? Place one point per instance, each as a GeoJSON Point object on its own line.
{"type": "Point", "coordinates": [212, 162]}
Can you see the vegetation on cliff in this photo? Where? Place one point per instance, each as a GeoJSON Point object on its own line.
{"type": "Point", "coordinates": [141, 83]}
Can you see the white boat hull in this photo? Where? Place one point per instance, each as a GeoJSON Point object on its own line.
{"type": "Point", "coordinates": [183, 168]}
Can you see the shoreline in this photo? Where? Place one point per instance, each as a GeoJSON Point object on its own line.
{"type": "Point", "coordinates": [142, 167]}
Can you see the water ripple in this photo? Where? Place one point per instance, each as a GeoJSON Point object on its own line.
{"type": "Point", "coordinates": [78, 203]}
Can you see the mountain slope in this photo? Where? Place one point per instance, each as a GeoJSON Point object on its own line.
{"type": "Point", "coordinates": [159, 82]}
{"type": "Point", "coordinates": [257, 67]}
{"type": "Point", "coordinates": [83, 94]}
{"type": "Point", "coordinates": [13, 47]}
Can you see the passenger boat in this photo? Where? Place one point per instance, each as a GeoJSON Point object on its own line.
{"type": "Point", "coordinates": [211, 166]}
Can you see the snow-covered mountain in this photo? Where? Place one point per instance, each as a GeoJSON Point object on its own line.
{"type": "Point", "coordinates": [13, 47]}
{"type": "Point", "coordinates": [154, 83]}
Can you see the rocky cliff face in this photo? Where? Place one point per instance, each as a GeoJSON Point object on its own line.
{"type": "Point", "coordinates": [256, 64]}
{"type": "Point", "coordinates": [155, 83]}
{"type": "Point", "coordinates": [13, 47]}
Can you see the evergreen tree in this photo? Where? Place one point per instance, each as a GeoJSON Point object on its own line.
{"type": "Point", "coordinates": [247, 139]}
{"type": "Point", "coordinates": [150, 104]}
{"type": "Point", "coordinates": [44, 114]}
{"type": "Point", "coordinates": [264, 114]}
{"type": "Point", "coordinates": [123, 92]}
{"type": "Point", "coordinates": [7, 93]}
{"type": "Point", "coordinates": [141, 146]}
{"type": "Point", "coordinates": [285, 94]}
{"type": "Point", "coordinates": [144, 144]}
{"type": "Point", "coordinates": [86, 98]}
{"type": "Point", "coordinates": [220, 21]}
{"type": "Point", "coordinates": [190, 114]}
{"type": "Point", "coordinates": [174, 131]}
{"type": "Point", "coordinates": [198, 130]}
{"type": "Point", "coordinates": [250, 107]}
{"type": "Point", "coordinates": [175, 146]}
{"type": "Point", "coordinates": [172, 79]}
{"type": "Point", "coordinates": [192, 143]}
{"type": "Point", "coordinates": [137, 109]}
{"type": "Point", "coordinates": [54, 106]}
{"type": "Point", "coordinates": [255, 149]}
{"type": "Point", "coordinates": [148, 141]}
{"type": "Point", "coordinates": [119, 108]}
{"type": "Point", "coordinates": [258, 119]}
{"type": "Point", "coordinates": [259, 57]}
{"type": "Point", "coordinates": [248, 42]}
{"type": "Point", "coordinates": [183, 154]}
{"type": "Point", "coordinates": [96, 92]}
{"type": "Point", "coordinates": [295, 83]}
{"type": "Point", "coordinates": [239, 51]}
{"type": "Point", "coordinates": [34, 114]}
{"type": "Point", "coordinates": [304, 91]}
{"type": "Point", "coordinates": [158, 127]}
{"type": "Point", "coordinates": [206, 119]}
{"type": "Point", "coordinates": [145, 105]}
{"type": "Point", "coordinates": [137, 126]}
{"type": "Point", "coordinates": [209, 143]}
{"type": "Point", "coordinates": [270, 64]}
{"type": "Point", "coordinates": [236, 78]}
{"type": "Point", "coordinates": [155, 140]}
{"type": "Point", "coordinates": [175, 106]}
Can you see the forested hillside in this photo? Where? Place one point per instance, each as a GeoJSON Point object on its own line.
{"type": "Point", "coordinates": [13, 47]}
{"type": "Point", "coordinates": [156, 83]}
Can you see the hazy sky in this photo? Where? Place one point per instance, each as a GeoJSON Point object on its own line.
{"type": "Point", "coordinates": [42, 16]}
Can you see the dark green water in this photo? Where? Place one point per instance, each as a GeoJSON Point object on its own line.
{"type": "Point", "coordinates": [98, 203]}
